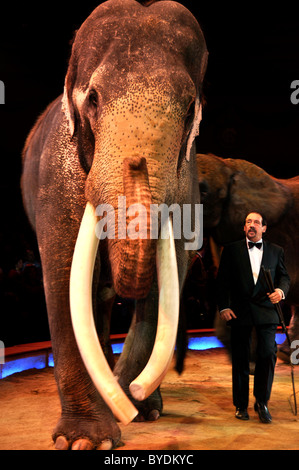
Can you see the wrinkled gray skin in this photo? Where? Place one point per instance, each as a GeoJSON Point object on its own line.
{"type": "Point", "coordinates": [232, 188]}
{"type": "Point", "coordinates": [123, 123]}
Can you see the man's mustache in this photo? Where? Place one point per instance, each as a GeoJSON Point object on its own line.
{"type": "Point", "coordinates": [252, 229]}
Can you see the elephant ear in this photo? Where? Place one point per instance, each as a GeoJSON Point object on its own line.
{"type": "Point", "coordinates": [72, 102]}
{"type": "Point", "coordinates": [195, 127]}
{"type": "Point", "coordinates": [194, 132]}
{"type": "Point", "coordinates": [67, 99]}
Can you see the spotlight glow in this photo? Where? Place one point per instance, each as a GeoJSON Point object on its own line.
{"type": "Point", "coordinates": [199, 343]}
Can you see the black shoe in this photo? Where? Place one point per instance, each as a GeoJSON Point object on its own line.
{"type": "Point", "coordinates": [241, 413]}
{"type": "Point", "coordinates": [263, 412]}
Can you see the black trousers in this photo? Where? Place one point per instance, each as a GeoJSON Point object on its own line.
{"type": "Point", "coordinates": [265, 363]}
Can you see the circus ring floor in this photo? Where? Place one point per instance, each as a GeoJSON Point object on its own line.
{"type": "Point", "coordinates": [198, 412]}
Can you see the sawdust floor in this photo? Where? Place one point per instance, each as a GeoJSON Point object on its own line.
{"type": "Point", "coordinates": [198, 412]}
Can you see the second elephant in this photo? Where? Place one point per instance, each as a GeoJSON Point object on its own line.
{"type": "Point", "coordinates": [230, 188]}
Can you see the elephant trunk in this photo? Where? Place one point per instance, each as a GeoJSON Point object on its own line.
{"type": "Point", "coordinates": [133, 257]}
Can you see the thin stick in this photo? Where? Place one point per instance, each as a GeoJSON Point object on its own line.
{"type": "Point", "coordinates": [271, 288]}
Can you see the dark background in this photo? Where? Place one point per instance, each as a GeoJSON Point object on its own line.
{"type": "Point", "coordinates": [253, 58]}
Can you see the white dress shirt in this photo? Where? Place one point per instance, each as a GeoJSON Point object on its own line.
{"type": "Point", "coordinates": [255, 255]}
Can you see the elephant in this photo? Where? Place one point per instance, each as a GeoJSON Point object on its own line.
{"type": "Point", "coordinates": [119, 141]}
{"type": "Point", "coordinates": [230, 188]}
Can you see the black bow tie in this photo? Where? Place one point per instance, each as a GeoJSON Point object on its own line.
{"type": "Point", "coordinates": [251, 245]}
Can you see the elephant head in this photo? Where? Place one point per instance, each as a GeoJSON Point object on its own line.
{"type": "Point", "coordinates": [231, 188]}
{"type": "Point", "coordinates": [132, 95]}
{"type": "Point", "coordinates": [132, 102]}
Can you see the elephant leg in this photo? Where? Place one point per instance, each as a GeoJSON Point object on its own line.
{"type": "Point", "coordinates": [284, 351]}
{"type": "Point", "coordinates": [84, 415]}
{"type": "Point", "coordinates": [105, 301]}
{"type": "Point", "coordinates": [136, 352]}
{"type": "Point", "coordinates": [86, 421]}
{"type": "Point", "coordinates": [182, 338]}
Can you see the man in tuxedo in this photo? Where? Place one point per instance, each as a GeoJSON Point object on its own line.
{"type": "Point", "coordinates": [244, 302]}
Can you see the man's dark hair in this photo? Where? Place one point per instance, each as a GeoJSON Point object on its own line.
{"type": "Point", "coordinates": [264, 220]}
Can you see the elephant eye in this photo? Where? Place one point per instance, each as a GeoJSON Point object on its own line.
{"type": "Point", "coordinates": [190, 113]}
{"type": "Point", "coordinates": [188, 120]}
{"type": "Point", "coordinates": [93, 98]}
{"type": "Point", "coordinates": [203, 189]}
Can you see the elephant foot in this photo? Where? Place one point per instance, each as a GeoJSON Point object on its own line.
{"type": "Point", "coordinates": [62, 443]}
{"type": "Point", "coordinates": [153, 415]}
{"type": "Point", "coordinates": [149, 409]}
{"type": "Point", "coordinates": [83, 434]}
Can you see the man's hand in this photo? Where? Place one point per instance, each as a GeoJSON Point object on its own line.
{"type": "Point", "coordinates": [227, 314]}
{"type": "Point", "coordinates": [276, 296]}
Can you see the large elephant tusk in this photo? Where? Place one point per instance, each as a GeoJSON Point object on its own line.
{"type": "Point", "coordinates": [83, 321]}
{"type": "Point", "coordinates": [158, 364]}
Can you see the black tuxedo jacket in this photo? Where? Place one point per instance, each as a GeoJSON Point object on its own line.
{"type": "Point", "coordinates": [236, 289]}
